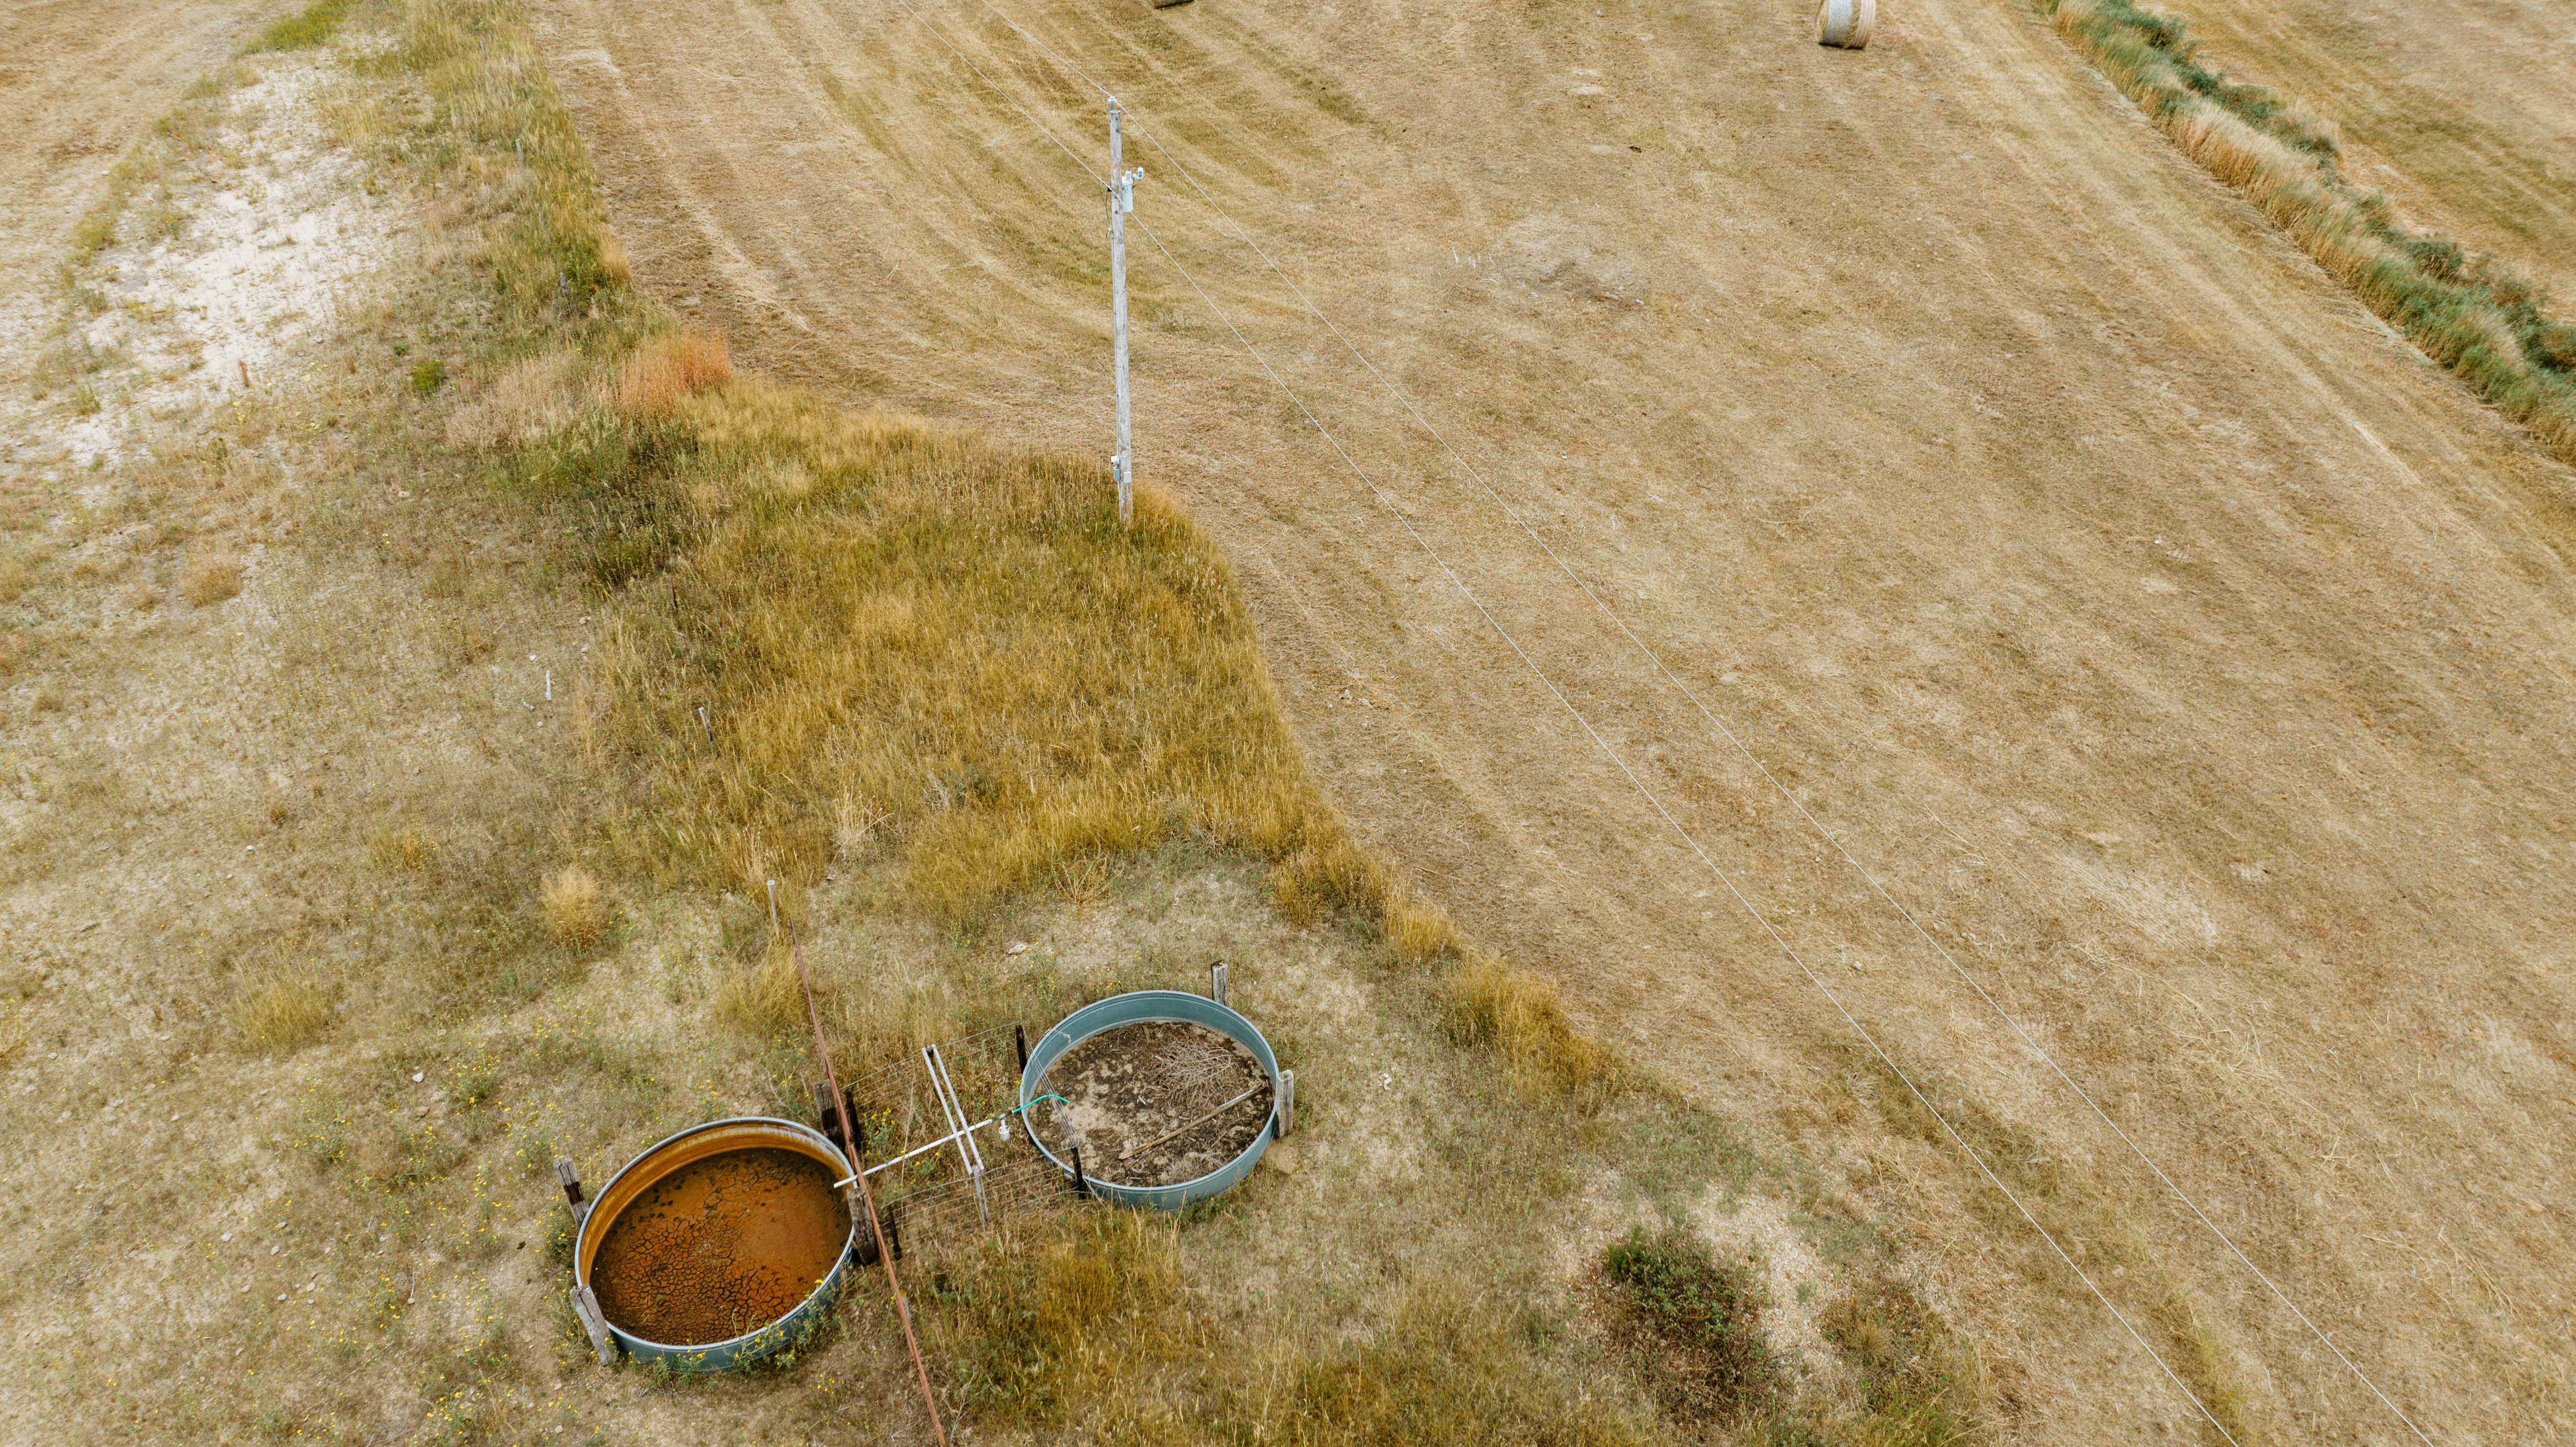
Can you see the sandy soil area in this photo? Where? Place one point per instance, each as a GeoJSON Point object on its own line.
{"type": "Point", "coordinates": [80, 80]}
{"type": "Point", "coordinates": [2186, 653]}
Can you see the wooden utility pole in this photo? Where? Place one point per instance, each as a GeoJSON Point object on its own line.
{"type": "Point", "coordinates": [1122, 199]}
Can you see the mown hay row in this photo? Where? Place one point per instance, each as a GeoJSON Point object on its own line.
{"type": "Point", "coordinates": [2485, 324]}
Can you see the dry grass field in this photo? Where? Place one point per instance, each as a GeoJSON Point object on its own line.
{"type": "Point", "coordinates": [2182, 649]}
{"type": "Point", "coordinates": [2177, 643]}
{"type": "Point", "coordinates": [362, 857]}
{"type": "Point", "coordinates": [2465, 114]}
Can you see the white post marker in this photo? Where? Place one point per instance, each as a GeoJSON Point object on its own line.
{"type": "Point", "coordinates": [1122, 199]}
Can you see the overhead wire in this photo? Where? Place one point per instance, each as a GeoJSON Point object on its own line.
{"type": "Point", "coordinates": [1691, 695]}
{"type": "Point", "coordinates": [1423, 544]}
{"type": "Point", "coordinates": [1657, 804]}
{"type": "Point", "coordinates": [1146, 133]}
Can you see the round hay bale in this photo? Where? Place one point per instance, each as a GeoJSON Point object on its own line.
{"type": "Point", "coordinates": [1845, 24]}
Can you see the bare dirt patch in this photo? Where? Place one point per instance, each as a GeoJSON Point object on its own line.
{"type": "Point", "coordinates": [80, 83]}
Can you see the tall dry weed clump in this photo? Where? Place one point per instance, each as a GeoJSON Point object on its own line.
{"type": "Point", "coordinates": [667, 370]}
{"type": "Point", "coordinates": [1517, 1014]}
{"type": "Point", "coordinates": [282, 1014]}
{"type": "Point", "coordinates": [767, 997]}
{"type": "Point", "coordinates": [210, 578]}
{"type": "Point", "coordinates": [2469, 314]}
{"type": "Point", "coordinates": [575, 908]}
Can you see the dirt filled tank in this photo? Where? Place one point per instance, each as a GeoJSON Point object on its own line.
{"type": "Point", "coordinates": [1170, 1097]}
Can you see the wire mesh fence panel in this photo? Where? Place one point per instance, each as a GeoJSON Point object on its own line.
{"type": "Point", "coordinates": [899, 1109]}
{"type": "Point", "coordinates": [942, 1215]}
{"type": "Point", "coordinates": [925, 1180]}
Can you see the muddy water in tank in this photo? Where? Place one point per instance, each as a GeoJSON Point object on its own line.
{"type": "Point", "coordinates": [720, 1247]}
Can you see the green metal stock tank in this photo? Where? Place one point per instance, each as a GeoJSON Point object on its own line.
{"type": "Point", "coordinates": [720, 1246]}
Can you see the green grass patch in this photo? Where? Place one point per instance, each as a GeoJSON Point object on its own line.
{"type": "Point", "coordinates": [306, 29]}
{"type": "Point", "coordinates": [1696, 1324]}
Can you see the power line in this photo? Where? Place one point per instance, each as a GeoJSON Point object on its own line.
{"type": "Point", "coordinates": [1732, 738]}
{"type": "Point", "coordinates": [1651, 799]}
{"type": "Point", "coordinates": [1634, 781]}
{"type": "Point", "coordinates": [1685, 835]}
{"type": "Point", "coordinates": [1004, 94]}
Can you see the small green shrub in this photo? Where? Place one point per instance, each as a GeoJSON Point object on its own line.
{"type": "Point", "coordinates": [1695, 1323]}
{"type": "Point", "coordinates": [428, 377]}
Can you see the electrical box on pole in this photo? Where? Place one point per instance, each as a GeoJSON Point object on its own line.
{"type": "Point", "coordinates": [1122, 199]}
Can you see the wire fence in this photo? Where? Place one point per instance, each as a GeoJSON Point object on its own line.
{"type": "Point", "coordinates": [897, 1107]}
{"type": "Point", "coordinates": [934, 1191]}
{"type": "Point", "coordinates": [947, 1214]}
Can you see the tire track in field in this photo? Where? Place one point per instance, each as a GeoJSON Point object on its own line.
{"type": "Point", "coordinates": [1995, 469]}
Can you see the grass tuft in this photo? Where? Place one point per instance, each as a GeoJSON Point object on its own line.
{"type": "Point", "coordinates": [1418, 930]}
{"type": "Point", "coordinates": [764, 997]}
{"type": "Point", "coordinates": [312, 26]}
{"type": "Point", "coordinates": [210, 579]}
{"type": "Point", "coordinates": [1518, 1015]}
{"type": "Point", "coordinates": [668, 370]}
{"type": "Point", "coordinates": [575, 907]}
{"type": "Point", "coordinates": [283, 1014]}
{"type": "Point", "coordinates": [399, 848]}
{"type": "Point", "coordinates": [1326, 875]}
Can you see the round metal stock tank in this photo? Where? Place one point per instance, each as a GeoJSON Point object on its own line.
{"type": "Point", "coordinates": [689, 1147]}
{"type": "Point", "coordinates": [1845, 24]}
{"type": "Point", "coordinates": [1136, 1008]}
